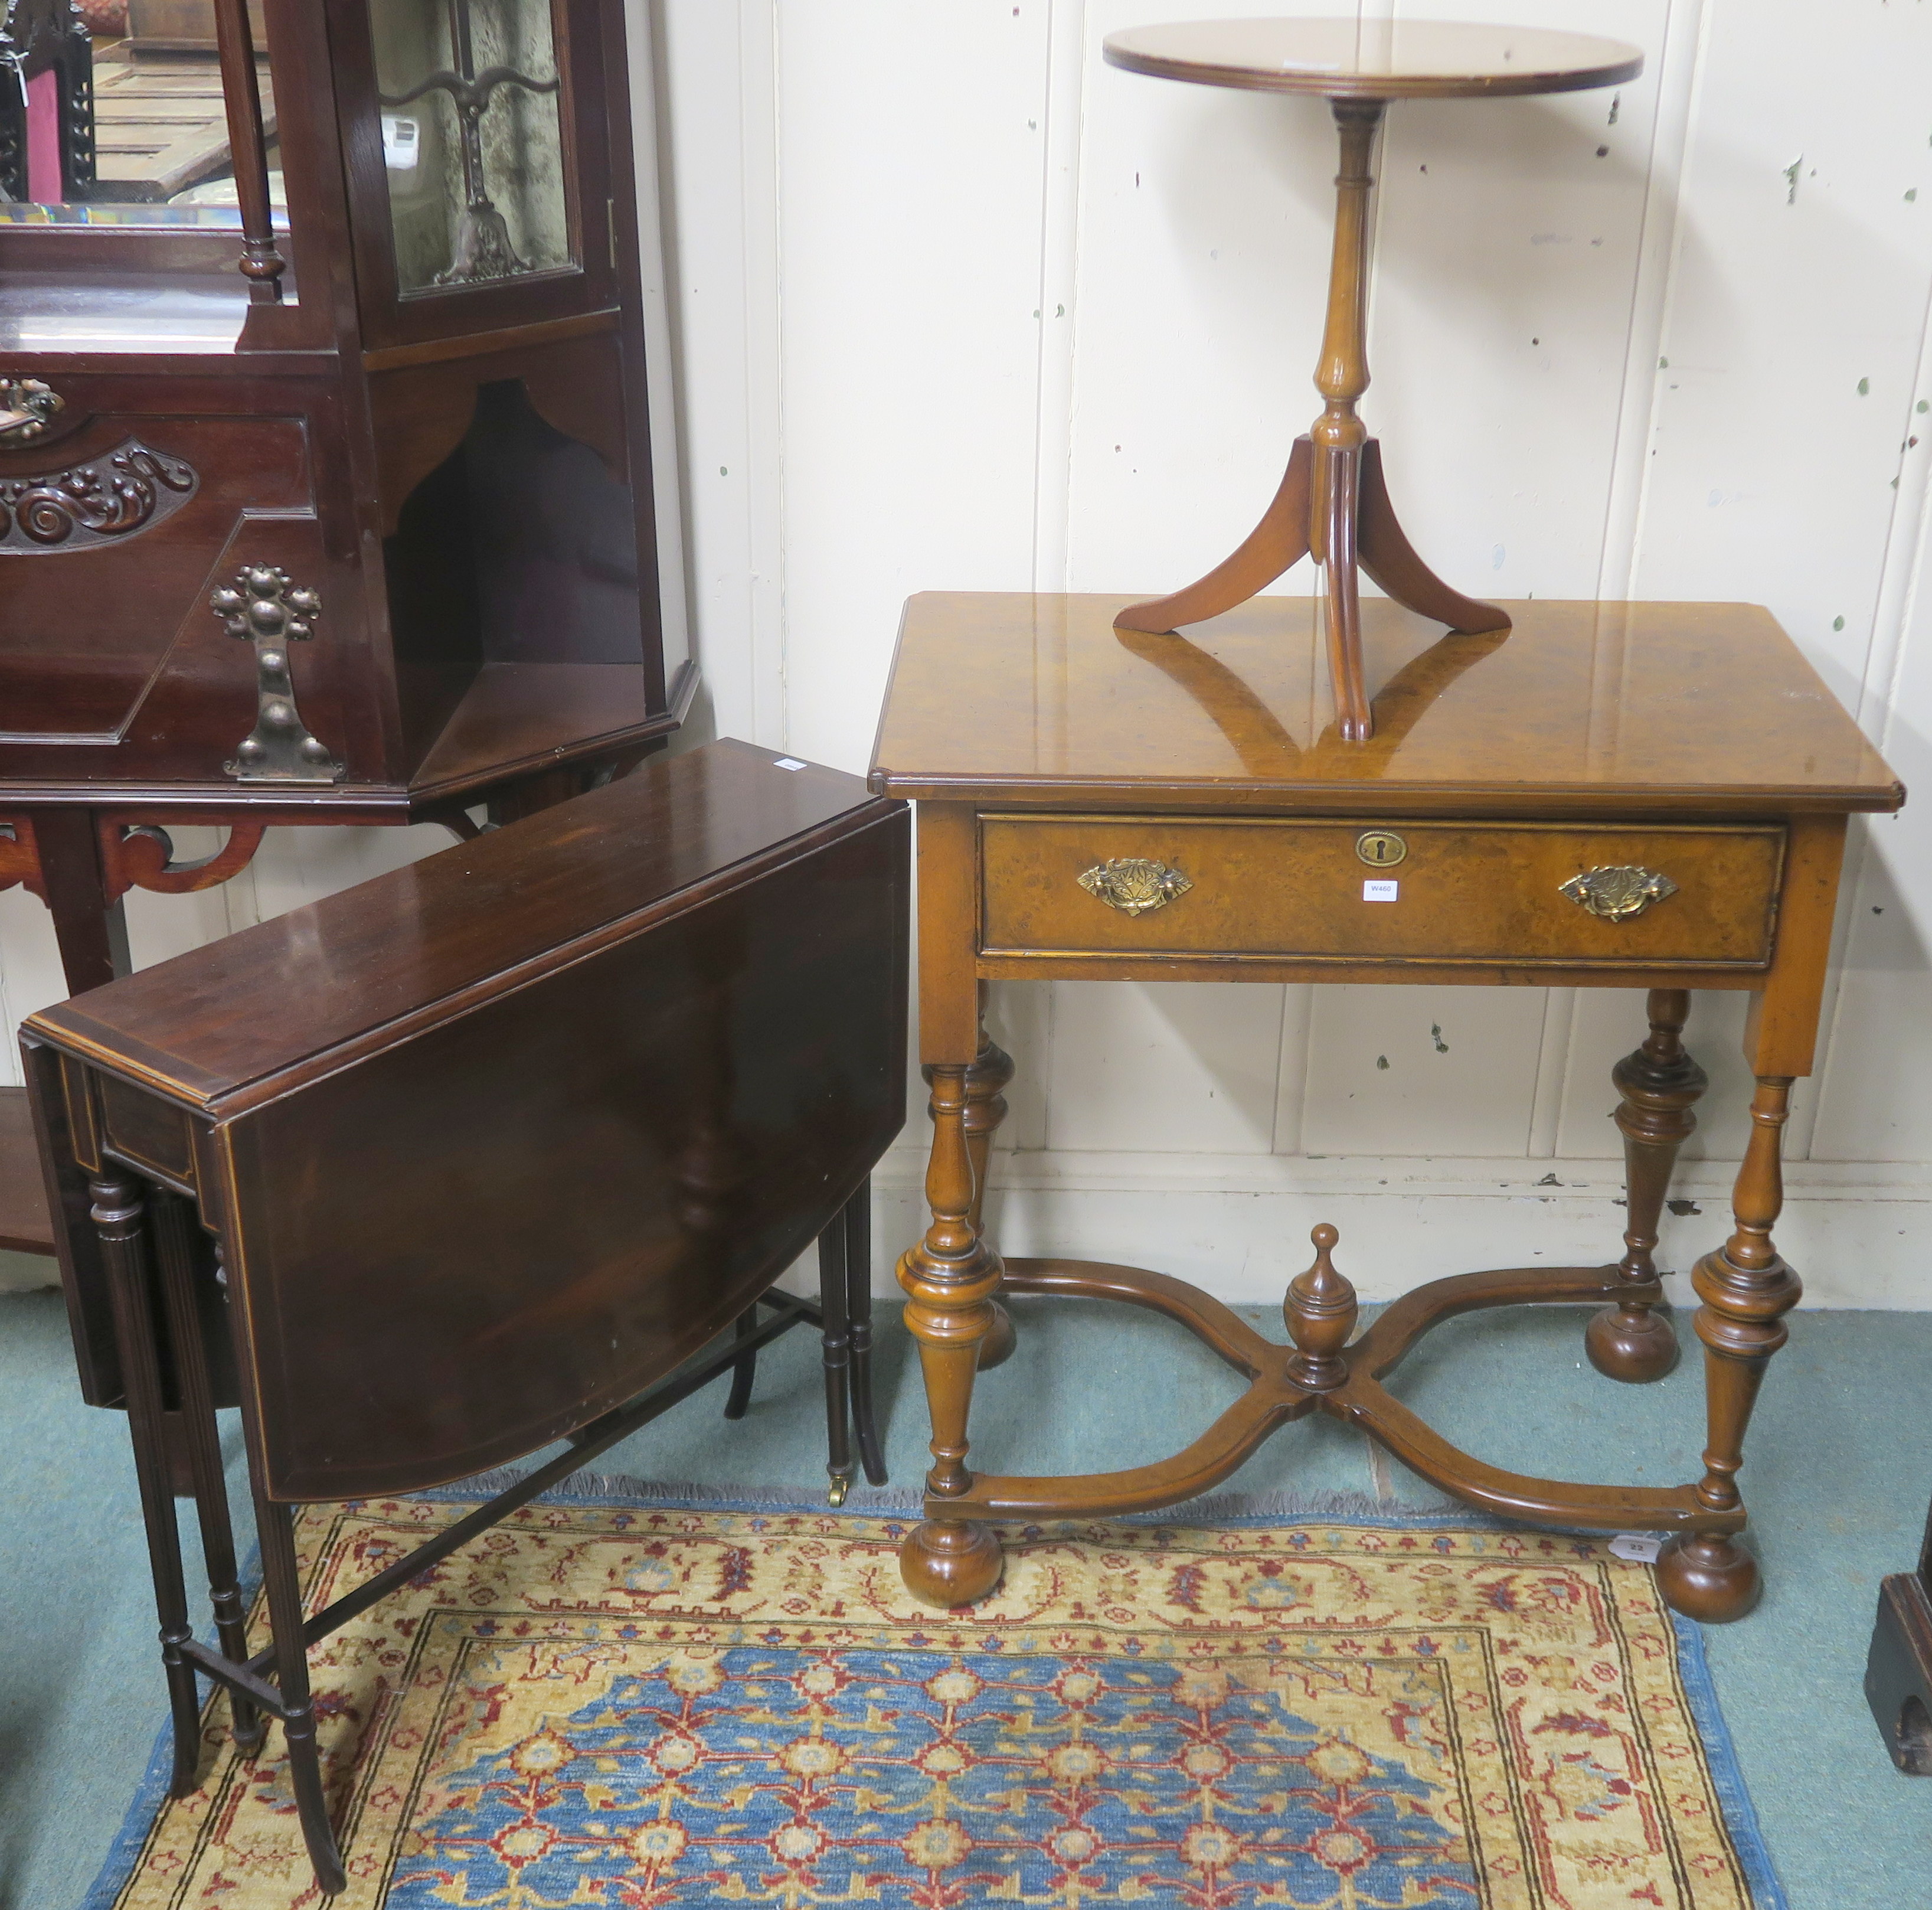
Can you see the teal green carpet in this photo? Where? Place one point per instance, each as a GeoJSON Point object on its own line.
{"type": "Point", "coordinates": [1838, 1480]}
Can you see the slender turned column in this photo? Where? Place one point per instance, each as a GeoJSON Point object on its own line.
{"type": "Point", "coordinates": [1746, 1290]}
{"type": "Point", "coordinates": [835, 1305]}
{"type": "Point", "coordinates": [281, 1578]}
{"type": "Point", "coordinates": [1339, 435]}
{"type": "Point", "coordinates": [174, 1250]}
{"type": "Point", "coordinates": [949, 1279]}
{"type": "Point", "coordinates": [858, 1229]}
{"type": "Point", "coordinates": [262, 265]}
{"type": "Point", "coordinates": [117, 1213]}
{"type": "Point", "coordinates": [1659, 1084]}
{"type": "Point", "coordinates": [1320, 1311]}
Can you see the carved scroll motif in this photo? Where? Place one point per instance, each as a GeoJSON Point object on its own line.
{"type": "Point", "coordinates": [127, 491]}
{"type": "Point", "coordinates": [141, 855]}
{"type": "Point", "coordinates": [19, 857]}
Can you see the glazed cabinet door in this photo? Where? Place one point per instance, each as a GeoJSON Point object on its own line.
{"type": "Point", "coordinates": [478, 141]}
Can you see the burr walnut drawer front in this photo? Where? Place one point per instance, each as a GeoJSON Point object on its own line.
{"type": "Point", "coordinates": [1576, 893]}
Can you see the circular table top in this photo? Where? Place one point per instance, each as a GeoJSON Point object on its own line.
{"type": "Point", "coordinates": [1376, 60]}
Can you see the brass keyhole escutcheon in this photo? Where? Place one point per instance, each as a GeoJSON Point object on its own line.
{"type": "Point", "coordinates": [1380, 849]}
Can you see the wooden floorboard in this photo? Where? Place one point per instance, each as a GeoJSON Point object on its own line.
{"type": "Point", "coordinates": [161, 125]}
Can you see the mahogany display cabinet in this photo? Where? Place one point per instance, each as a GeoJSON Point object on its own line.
{"type": "Point", "coordinates": [325, 451]}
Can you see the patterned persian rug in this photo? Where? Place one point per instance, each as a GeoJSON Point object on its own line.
{"type": "Point", "coordinates": [638, 1705]}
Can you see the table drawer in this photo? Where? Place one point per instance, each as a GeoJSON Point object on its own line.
{"type": "Point", "coordinates": [1475, 891]}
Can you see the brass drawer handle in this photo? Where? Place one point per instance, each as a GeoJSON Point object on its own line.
{"type": "Point", "coordinates": [1618, 894]}
{"type": "Point", "coordinates": [27, 408]}
{"type": "Point", "coordinates": [1134, 885]}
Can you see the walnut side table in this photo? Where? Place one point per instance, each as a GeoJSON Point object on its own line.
{"type": "Point", "coordinates": [1613, 795]}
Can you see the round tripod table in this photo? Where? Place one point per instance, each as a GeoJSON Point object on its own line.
{"type": "Point", "coordinates": [1334, 502]}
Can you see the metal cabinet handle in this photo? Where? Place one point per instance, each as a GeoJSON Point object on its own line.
{"type": "Point", "coordinates": [1618, 894]}
{"type": "Point", "coordinates": [27, 408]}
{"type": "Point", "coordinates": [1134, 885]}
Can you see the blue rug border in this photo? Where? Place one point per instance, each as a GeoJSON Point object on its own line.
{"type": "Point", "coordinates": [1347, 1508]}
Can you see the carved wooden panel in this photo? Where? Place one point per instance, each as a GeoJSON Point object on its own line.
{"type": "Point", "coordinates": [141, 512]}
{"type": "Point", "coordinates": [130, 491]}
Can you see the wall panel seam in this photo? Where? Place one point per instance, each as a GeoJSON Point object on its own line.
{"type": "Point", "coordinates": [761, 147]}
{"type": "Point", "coordinates": [1670, 243]}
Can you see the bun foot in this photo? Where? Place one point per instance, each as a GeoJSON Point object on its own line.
{"type": "Point", "coordinates": [1708, 1577]}
{"type": "Point", "coordinates": [1630, 1345]}
{"type": "Point", "coordinates": [997, 1348]}
{"type": "Point", "coordinates": [949, 1563]}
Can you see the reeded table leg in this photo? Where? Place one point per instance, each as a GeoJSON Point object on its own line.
{"type": "Point", "coordinates": [949, 1279]}
{"type": "Point", "coordinates": [117, 1214]}
{"type": "Point", "coordinates": [175, 1249]}
{"type": "Point", "coordinates": [1746, 1290]}
{"type": "Point", "coordinates": [1658, 1083]}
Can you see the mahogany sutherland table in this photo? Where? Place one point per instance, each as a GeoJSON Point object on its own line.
{"type": "Point", "coordinates": [473, 1157]}
{"type": "Point", "coordinates": [1615, 795]}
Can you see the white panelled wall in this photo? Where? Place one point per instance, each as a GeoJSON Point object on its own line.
{"type": "Point", "coordinates": [956, 306]}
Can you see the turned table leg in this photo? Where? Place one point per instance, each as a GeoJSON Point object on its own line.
{"type": "Point", "coordinates": [281, 1579]}
{"type": "Point", "coordinates": [987, 1076]}
{"type": "Point", "coordinates": [986, 1080]}
{"type": "Point", "coordinates": [949, 1279]}
{"type": "Point", "coordinates": [1659, 1083]}
{"type": "Point", "coordinates": [1746, 1290]}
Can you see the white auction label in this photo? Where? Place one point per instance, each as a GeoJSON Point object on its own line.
{"type": "Point", "coordinates": [402, 144]}
{"type": "Point", "coordinates": [1640, 1548]}
{"type": "Point", "coordinates": [1380, 891]}
{"type": "Point", "coordinates": [788, 762]}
